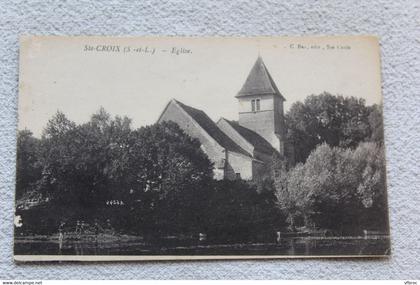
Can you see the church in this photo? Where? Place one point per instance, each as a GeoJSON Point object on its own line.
{"type": "Point", "coordinates": [240, 149]}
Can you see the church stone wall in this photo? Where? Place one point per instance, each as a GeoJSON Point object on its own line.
{"type": "Point", "coordinates": [280, 128]}
{"type": "Point", "coordinates": [262, 123]}
{"type": "Point", "coordinates": [238, 163]}
{"type": "Point", "coordinates": [267, 122]}
{"type": "Point", "coordinates": [214, 151]}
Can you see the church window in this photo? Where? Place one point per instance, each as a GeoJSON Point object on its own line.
{"type": "Point", "coordinates": [255, 105]}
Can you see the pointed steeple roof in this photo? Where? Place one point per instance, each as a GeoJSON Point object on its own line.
{"type": "Point", "coordinates": [259, 82]}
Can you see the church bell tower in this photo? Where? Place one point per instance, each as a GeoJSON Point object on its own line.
{"type": "Point", "coordinates": [261, 106]}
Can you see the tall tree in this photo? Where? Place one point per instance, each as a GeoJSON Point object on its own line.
{"type": "Point", "coordinates": [168, 169]}
{"type": "Point", "coordinates": [28, 168]}
{"type": "Point", "coordinates": [335, 120]}
{"type": "Point", "coordinates": [150, 173]}
{"type": "Point", "coordinates": [338, 188]}
{"type": "Point", "coordinates": [82, 162]}
{"type": "Point", "coordinates": [376, 124]}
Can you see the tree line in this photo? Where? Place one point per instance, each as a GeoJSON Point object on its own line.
{"type": "Point", "coordinates": [156, 180]}
{"type": "Point", "coordinates": [338, 182]}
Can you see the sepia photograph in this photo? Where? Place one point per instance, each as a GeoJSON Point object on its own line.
{"type": "Point", "coordinates": [166, 148]}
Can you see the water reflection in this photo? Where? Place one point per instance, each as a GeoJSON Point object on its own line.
{"type": "Point", "coordinates": [60, 242]}
{"type": "Point", "coordinates": [286, 246]}
{"type": "Point", "coordinates": [292, 250]}
{"type": "Point", "coordinates": [78, 247]}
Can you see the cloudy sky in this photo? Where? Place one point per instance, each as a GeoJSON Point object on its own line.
{"type": "Point", "coordinates": [77, 76]}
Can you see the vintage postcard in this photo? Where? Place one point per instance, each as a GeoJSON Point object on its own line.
{"type": "Point", "coordinates": [159, 148]}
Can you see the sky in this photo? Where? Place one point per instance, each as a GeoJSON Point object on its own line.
{"type": "Point", "coordinates": [78, 75]}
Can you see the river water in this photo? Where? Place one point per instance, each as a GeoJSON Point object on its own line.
{"type": "Point", "coordinates": [304, 246]}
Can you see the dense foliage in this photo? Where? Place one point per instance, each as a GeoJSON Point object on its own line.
{"type": "Point", "coordinates": [335, 120]}
{"type": "Point", "coordinates": [339, 181]}
{"type": "Point", "coordinates": [339, 189]}
{"type": "Point", "coordinates": [103, 164]}
{"type": "Point", "coordinates": [155, 181]}
{"type": "Point", "coordinates": [27, 162]}
{"type": "Point", "coordinates": [236, 211]}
